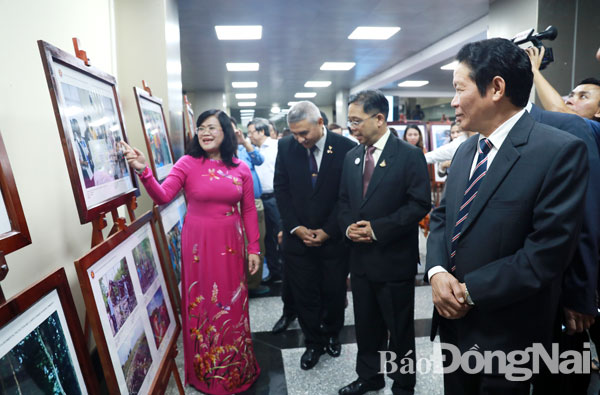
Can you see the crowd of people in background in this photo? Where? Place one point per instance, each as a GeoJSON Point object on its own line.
{"type": "Point", "coordinates": [513, 249]}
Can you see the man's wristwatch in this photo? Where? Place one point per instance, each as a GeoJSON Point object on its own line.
{"type": "Point", "coordinates": [468, 297]}
{"type": "Point", "coordinates": [140, 172]}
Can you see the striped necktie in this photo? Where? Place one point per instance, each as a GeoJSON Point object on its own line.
{"type": "Point", "coordinates": [475, 181]}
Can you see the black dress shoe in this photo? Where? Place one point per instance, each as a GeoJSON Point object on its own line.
{"type": "Point", "coordinates": [333, 347]}
{"type": "Point", "coordinates": [359, 387]}
{"type": "Point", "coordinates": [283, 323]}
{"type": "Point", "coordinates": [310, 358]}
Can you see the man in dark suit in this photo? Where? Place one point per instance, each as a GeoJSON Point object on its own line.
{"type": "Point", "coordinates": [384, 194]}
{"type": "Point", "coordinates": [307, 178]}
{"type": "Point", "coordinates": [508, 225]}
{"type": "Point", "coordinates": [578, 299]}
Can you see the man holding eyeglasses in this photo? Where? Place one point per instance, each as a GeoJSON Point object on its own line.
{"type": "Point", "coordinates": [384, 193]}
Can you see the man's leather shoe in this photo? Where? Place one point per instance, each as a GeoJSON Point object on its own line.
{"type": "Point", "coordinates": [359, 387]}
{"type": "Point", "coordinates": [333, 347]}
{"type": "Point", "coordinates": [283, 323]}
{"type": "Point", "coordinates": [310, 358]}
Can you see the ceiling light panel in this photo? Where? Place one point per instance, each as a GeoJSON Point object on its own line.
{"type": "Point", "coordinates": [239, 32]}
{"type": "Point", "coordinates": [244, 84]}
{"type": "Point", "coordinates": [450, 66]}
{"type": "Point", "coordinates": [245, 95]}
{"type": "Point", "coordinates": [373, 33]}
{"type": "Point", "coordinates": [242, 66]}
{"type": "Point", "coordinates": [339, 66]}
{"type": "Point", "coordinates": [413, 84]}
{"type": "Point", "coordinates": [246, 103]}
{"type": "Point", "coordinates": [305, 95]}
{"type": "Point", "coordinates": [292, 103]}
{"type": "Point", "coordinates": [317, 84]}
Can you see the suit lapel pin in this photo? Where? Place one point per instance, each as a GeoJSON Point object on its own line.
{"type": "Point", "coordinates": [357, 161]}
{"type": "Point", "coordinates": [330, 150]}
{"type": "Point", "coordinates": [382, 164]}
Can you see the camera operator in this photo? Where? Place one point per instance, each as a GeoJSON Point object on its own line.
{"type": "Point", "coordinates": [584, 100]}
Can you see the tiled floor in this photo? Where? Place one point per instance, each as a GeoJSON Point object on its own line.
{"type": "Point", "coordinates": [279, 355]}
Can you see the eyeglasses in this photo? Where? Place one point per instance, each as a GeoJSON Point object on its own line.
{"type": "Point", "coordinates": [211, 129]}
{"type": "Point", "coordinates": [355, 124]}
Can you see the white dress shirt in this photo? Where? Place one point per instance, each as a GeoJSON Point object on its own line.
{"type": "Point", "coordinates": [497, 139]}
{"type": "Point", "coordinates": [266, 171]}
{"type": "Point", "coordinates": [446, 151]}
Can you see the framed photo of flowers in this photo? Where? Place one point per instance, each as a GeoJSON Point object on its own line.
{"type": "Point", "coordinates": [156, 133]}
{"type": "Point", "coordinates": [90, 124]}
{"type": "Point", "coordinates": [42, 349]}
{"type": "Point", "coordinates": [130, 309]}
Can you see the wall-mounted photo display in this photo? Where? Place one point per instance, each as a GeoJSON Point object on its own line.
{"type": "Point", "coordinates": [130, 309]}
{"type": "Point", "coordinates": [42, 349]}
{"type": "Point", "coordinates": [170, 219]}
{"type": "Point", "coordinates": [14, 233]}
{"type": "Point", "coordinates": [156, 133]}
{"type": "Point", "coordinates": [440, 135]}
{"type": "Point", "coordinates": [90, 123]}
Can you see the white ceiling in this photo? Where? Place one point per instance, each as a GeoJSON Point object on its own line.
{"type": "Point", "coordinates": [299, 36]}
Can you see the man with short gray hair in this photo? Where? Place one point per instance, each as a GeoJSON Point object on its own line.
{"type": "Point", "coordinates": [307, 179]}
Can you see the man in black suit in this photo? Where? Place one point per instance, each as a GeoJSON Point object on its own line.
{"type": "Point", "coordinates": [508, 225]}
{"type": "Point", "coordinates": [384, 194]}
{"type": "Point", "coordinates": [307, 178]}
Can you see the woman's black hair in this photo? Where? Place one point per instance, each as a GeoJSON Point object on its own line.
{"type": "Point", "coordinates": [228, 146]}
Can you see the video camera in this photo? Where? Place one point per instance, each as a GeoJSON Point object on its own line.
{"type": "Point", "coordinates": [536, 39]}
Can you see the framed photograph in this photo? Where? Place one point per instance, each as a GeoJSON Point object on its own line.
{"type": "Point", "coordinates": [189, 125]}
{"type": "Point", "coordinates": [130, 309]}
{"type": "Point", "coordinates": [170, 219]}
{"type": "Point", "coordinates": [14, 233]}
{"type": "Point", "coordinates": [401, 127]}
{"type": "Point", "coordinates": [156, 133]}
{"type": "Point", "coordinates": [42, 349]}
{"type": "Point", "coordinates": [90, 124]}
{"type": "Point", "coordinates": [440, 135]}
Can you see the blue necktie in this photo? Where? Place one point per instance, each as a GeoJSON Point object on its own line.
{"type": "Point", "coordinates": [475, 181]}
{"type": "Point", "coordinates": [312, 166]}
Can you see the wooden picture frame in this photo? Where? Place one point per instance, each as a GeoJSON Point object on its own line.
{"type": "Point", "coordinates": [156, 133]}
{"type": "Point", "coordinates": [169, 219]}
{"type": "Point", "coordinates": [14, 233]}
{"type": "Point", "coordinates": [123, 287]}
{"type": "Point", "coordinates": [90, 124]}
{"type": "Point", "coordinates": [40, 326]}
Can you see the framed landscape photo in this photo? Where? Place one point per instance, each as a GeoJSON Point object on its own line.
{"type": "Point", "coordinates": [156, 133]}
{"type": "Point", "coordinates": [170, 219]}
{"type": "Point", "coordinates": [130, 309]}
{"type": "Point", "coordinates": [440, 135]}
{"type": "Point", "coordinates": [90, 124]}
{"type": "Point", "coordinates": [14, 233]}
{"type": "Point", "coordinates": [42, 349]}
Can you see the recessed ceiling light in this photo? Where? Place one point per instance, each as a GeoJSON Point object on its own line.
{"type": "Point", "coordinates": [275, 109]}
{"type": "Point", "coordinates": [342, 66]}
{"type": "Point", "coordinates": [373, 33]}
{"type": "Point", "coordinates": [413, 84]}
{"type": "Point", "coordinates": [246, 103]}
{"type": "Point", "coordinates": [245, 95]}
{"type": "Point", "coordinates": [242, 66]}
{"type": "Point", "coordinates": [241, 84]}
{"type": "Point", "coordinates": [317, 84]}
{"type": "Point", "coordinates": [450, 66]}
{"type": "Point", "coordinates": [292, 103]}
{"type": "Point", "coordinates": [239, 32]}
{"type": "Point", "coordinates": [305, 95]}
{"type": "Point", "coordinates": [247, 111]}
